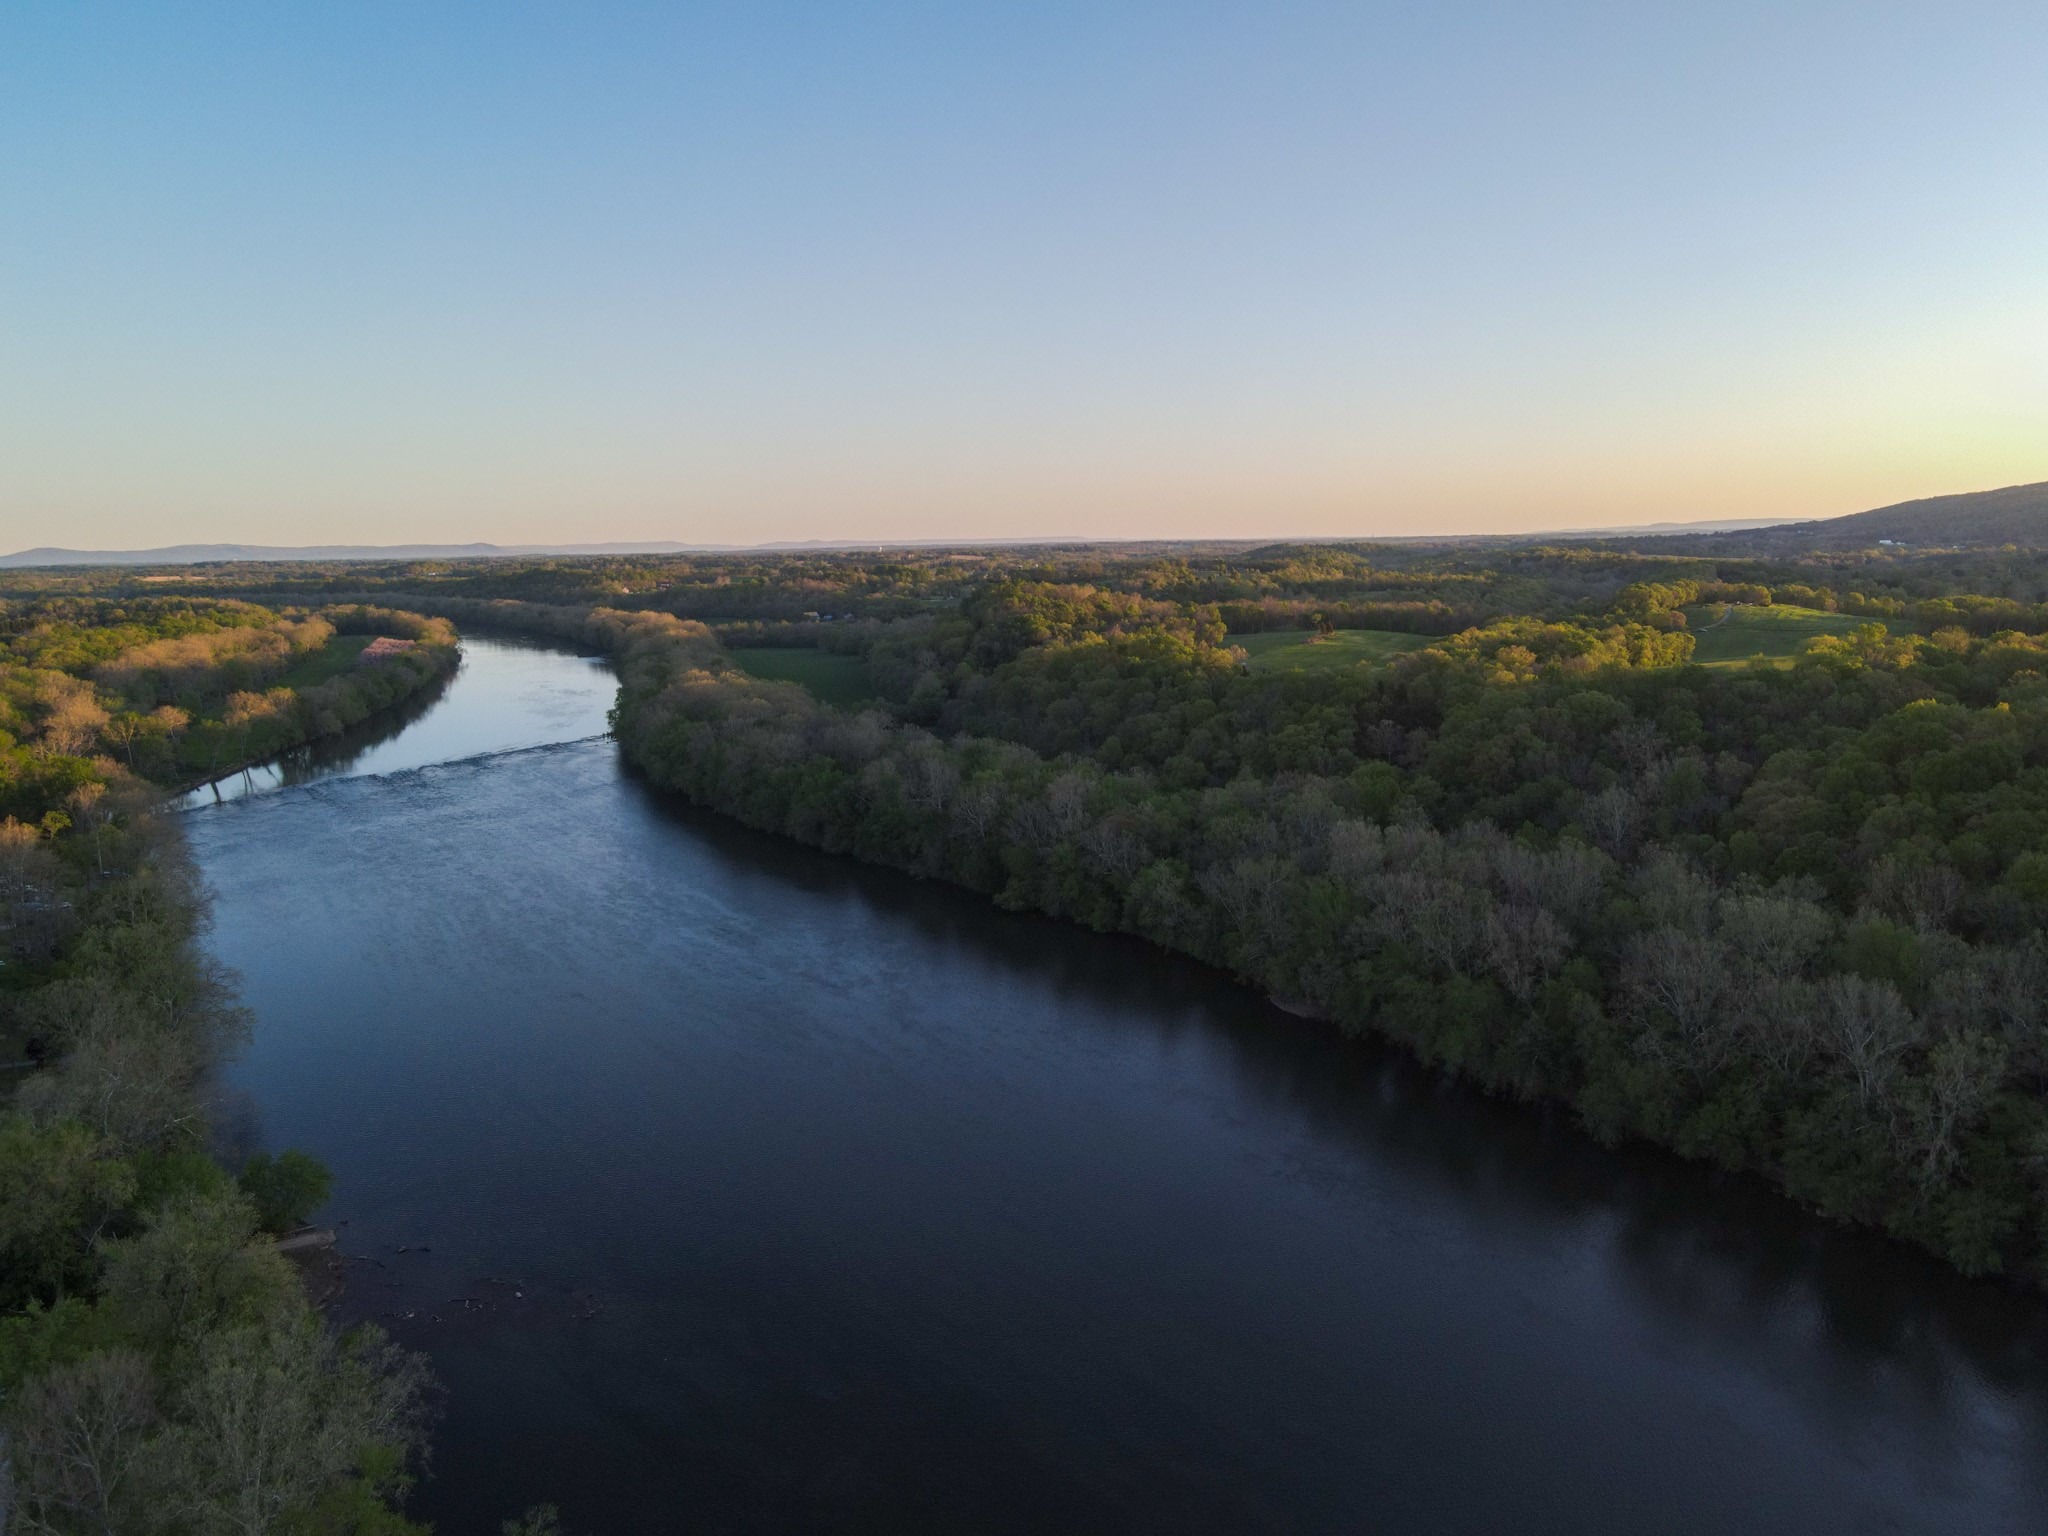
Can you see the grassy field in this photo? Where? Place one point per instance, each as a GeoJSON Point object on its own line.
{"type": "Point", "coordinates": [1289, 650]}
{"type": "Point", "coordinates": [1734, 635]}
{"type": "Point", "coordinates": [840, 680]}
{"type": "Point", "coordinates": [334, 658]}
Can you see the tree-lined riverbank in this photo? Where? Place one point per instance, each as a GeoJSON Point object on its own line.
{"type": "Point", "coordinates": [721, 1176]}
{"type": "Point", "coordinates": [161, 1370]}
{"type": "Point", "coordinates": [1747, 1023]}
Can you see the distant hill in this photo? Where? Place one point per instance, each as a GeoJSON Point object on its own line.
{"type": "Point", "coordinates": [206, 554]}
{"type": "Point", "coordinates": [2016, 514]}
{"type": "Point", "coordinates": [198, 554]}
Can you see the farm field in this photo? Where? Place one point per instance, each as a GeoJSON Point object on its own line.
{"type": "Point", "coordinates": [1727, 635]}
{"type": "Point", "coordinates": [832, 679]}
{"type": "Point", "coordinates": [334, 658]}
{"type": "Point", "coordinates": [1291, 650]}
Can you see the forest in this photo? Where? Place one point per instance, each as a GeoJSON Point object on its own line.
{"type": "Point", "coordinates": [1783, 913]}
{"type": "Point", "coordinates": [161, 1368]}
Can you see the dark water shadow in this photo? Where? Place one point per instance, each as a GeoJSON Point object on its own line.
{"type": "Point", "coordinates": [1710, 1250]}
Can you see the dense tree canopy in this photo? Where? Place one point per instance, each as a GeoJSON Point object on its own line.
{"type": "Point", "coordinates": [160, 1368]}
{"type": "Point", "coordinates": [1789, 917]}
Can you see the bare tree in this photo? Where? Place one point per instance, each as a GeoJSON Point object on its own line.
{"type": "Point", "coordinates": [30, 918]}
{"type": "Point", "coordinates": [1948, 1102]}
{"type": "Point", "coordinates": [2006, 989]}
{"type": "Point", "coordinates": [974, 810]}
{"type": "Point", "coordinates": [1866, 1027]}
{"type": "Point", "coordinates": [1568, 881]}
{"type": "Point", "coordinates": [77, 1437]}
{"type": "Point", "coordinates": [1253, 895]}
{"type": "Point", "coordinates": [1114, 850]}
{"type": "Point", "coordinates": [1353, 850]}
{"type": "Point", "coordinates": [929, 777]}
{"type": "Point", "coordinates": [1441, 918]}
{"type": "Point", "coordinates": [1778, 1019]}
{"type": "Point", "coordinates": [1612, 818]}
{"type": "Point", "coordinates": [1524, 945]}
{"type": "Point", "coordinates": [134, 1086]}
{"type": "Point", "coordinates": [1915, 892]}
{"type": "Point", "coordinates": [1674, 984]}
{"type": "Point", "coordinates": [1780, 935]}
{"type": "Point", "coordinates": [273, 1416]}
{"type": "Point", "coordinates": [1639, 744]}
{"type": "Point", "coordinates": [1672, 892]}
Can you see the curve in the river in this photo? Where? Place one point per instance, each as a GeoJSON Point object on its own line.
{"type": "Point", "coordinates": [740, 1188]}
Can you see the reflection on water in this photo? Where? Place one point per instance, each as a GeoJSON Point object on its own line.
{"type": "Point", "coordinates": [507, 693]}
{"type": "Point", "coordinates": [741, 1188]}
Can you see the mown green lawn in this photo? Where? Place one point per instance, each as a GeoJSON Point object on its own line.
{"type": "Point", "coordinates": [1727, 635]}
{"type": "Point", "coordinates": [333, 659]}
{"type": "Point", "coordinates": [832, 679]}
{"type": "Point", "coordinates": [1298, 650]}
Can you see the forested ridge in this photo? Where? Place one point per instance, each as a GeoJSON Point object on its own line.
{"type": "Point", "coordinates": [161, 1369]}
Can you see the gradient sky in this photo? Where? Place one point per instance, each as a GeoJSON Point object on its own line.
{"type": "Point", "coordinates": [395, 272]}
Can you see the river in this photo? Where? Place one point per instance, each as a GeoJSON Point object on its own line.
{"type": "Point", "coordinates": [735, 1187]}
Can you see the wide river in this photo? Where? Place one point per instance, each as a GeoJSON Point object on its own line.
{"type": "Point", "coordinates": [734, 1187]}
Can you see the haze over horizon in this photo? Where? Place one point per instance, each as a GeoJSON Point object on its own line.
{"type": "Point", "coordinates": [752, 274]}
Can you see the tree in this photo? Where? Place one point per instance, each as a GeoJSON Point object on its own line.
{"type": "Point", "coordinates": [287, 1188]}
{"type": "Point", "coordinates": [1867, 1027]}
{"type": "Point", "coordinates": [73, 716]}
{"type": "Point", "coordinates": [127, 1077]}
{"type": "Point", "coordinates": [1675, 984]}
{"type": "Point", "coordinates": [77, 1438]}
{"type": "Point", "coordinates": [275, 1420]}
{"type": "Point", "coordinates": [197, 1268]}
{"type": "Point", "coordinates": [1946, 1102]}
{"type": "Point", "coordinates": [124, 730]}
{"type": "Point", "coordinates": [59, 1187]}
{"type": "Point", "coordinates": [1612, 818]}
{"type": "Point", "coordinates": [84, 806]}
{"type": "Point", "coordinates": [29, 877]}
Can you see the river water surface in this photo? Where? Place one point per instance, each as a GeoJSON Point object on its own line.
{"type": "Point", "coordinates": [733, 1187]}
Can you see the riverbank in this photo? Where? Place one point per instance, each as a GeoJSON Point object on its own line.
{"type": "Point", "coordinates": [1304, 890]}
{"type": "Point", "coordinates": [161, 1349]}
{"type": "Point", "coordinates": [326, 701]}
{"type": "Point", "coordinates": [158, 1349]}
{"type": "Point", "coordinates": [837, 1198]}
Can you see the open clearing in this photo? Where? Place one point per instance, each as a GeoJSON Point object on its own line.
{"type": "Point", "coordinates": [1734, 636]}
{"type": "Point", "coordinates": [832, 679]}
{"type": "Point", "coordinates": [1298, 650]}
{"type": "Point", "coordinates": [333, 659]}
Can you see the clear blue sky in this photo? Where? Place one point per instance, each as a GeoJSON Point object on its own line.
{"type": "Point", "coordinates": [381, 272]}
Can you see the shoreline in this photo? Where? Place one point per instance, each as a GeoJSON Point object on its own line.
{"type": "Point", "coordinates": [657, 653]}
{"type": "Point", "coordinates": [439, 675]}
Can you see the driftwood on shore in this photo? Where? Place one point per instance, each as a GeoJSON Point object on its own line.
{"type": "Point", "coordinates": [1300, 1009]}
